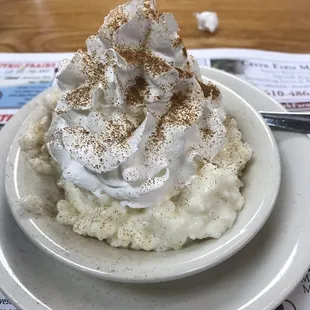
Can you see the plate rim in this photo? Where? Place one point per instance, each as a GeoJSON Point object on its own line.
{"type": "Point", "coordinates": [21, 305]}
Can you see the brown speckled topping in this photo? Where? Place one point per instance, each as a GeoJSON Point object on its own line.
{"type": "Point", "coordinates": [152, 63]}
{"type": "Point", "coordinates": [150, 12]}
{"type": "Point", "coordinates": [207, 133]}
{"type": "Point", "coordinates": [79, 97]}
{"type": "Point", "coordinates": [181, 112]}
{"type": "Point", "coordinates": [81, 140]}
{"type": "Point", "coordinates": [177, 42]}
{"type": "Point", "coordinates": [185, 74]}
{"type": "Point", "coordinates": [118, 131]}
{"type": "Point", "coordinates": [117, 20]}
{"type": "Point", "coordinates": [136, 92]}
{"type": "Point", "coordinates": [210, 90]}
{"type": "Point", "coordinates": [94, 71]}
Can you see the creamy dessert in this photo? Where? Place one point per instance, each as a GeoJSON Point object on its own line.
{"type": "Point", "coordinates": [140, 145]}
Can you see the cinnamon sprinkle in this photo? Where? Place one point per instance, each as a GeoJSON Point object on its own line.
{"type": "Point", "coordinates": [118, 19]}
{"type": "Point", "coordinates": [150, 12]}
{"type": "Point", "coordinates": [207, 133]}
{"type": "Point", "coordinates": [82, 142]}
{"type": "Point", "coordinates": [184, 74]}
{"type": "Point", "coordinates": [94, 72]}
{"type": "Point", "coordinates": [177, 42]}
{"type": "Point", "coordinates": [210, 90]}
{"type": "Point", "coordinates": [181, 112]}
{"type": "Point", "coordinates": [79, 97]}
{"type": "Point", "coordinates": [118, 131]}
{"type": "Point", "coordinates": [93, 68]}
{"type": "Point", "coordinates": [136, 92]}
{"type": "Point", "coordinates": [155, 64]}
{"type": "Point", "coordinates": [151, 62]}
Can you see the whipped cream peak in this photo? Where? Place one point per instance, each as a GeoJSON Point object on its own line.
{"type": "Point", "coordinates": [135, 120]}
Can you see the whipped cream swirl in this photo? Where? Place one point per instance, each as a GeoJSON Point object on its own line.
{"type": "Point", "coordinates": [135, 121]}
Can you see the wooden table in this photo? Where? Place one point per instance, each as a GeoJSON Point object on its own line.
{"type": "Point", "coordinates": [63, 25]}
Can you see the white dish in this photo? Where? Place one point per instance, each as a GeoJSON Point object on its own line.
{"type": "Point", "coordinates": [262, 180]}
{"type": "Point", "coordinates": [258, 277]}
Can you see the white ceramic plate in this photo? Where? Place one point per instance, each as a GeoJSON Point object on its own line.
{"type": "Point", "coordinates": [258, 277]}
{"type": "Point", "coordinates": [262, 180]}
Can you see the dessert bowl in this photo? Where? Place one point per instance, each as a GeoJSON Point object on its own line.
{"type": "Point", "coordinates": [261, 183]}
